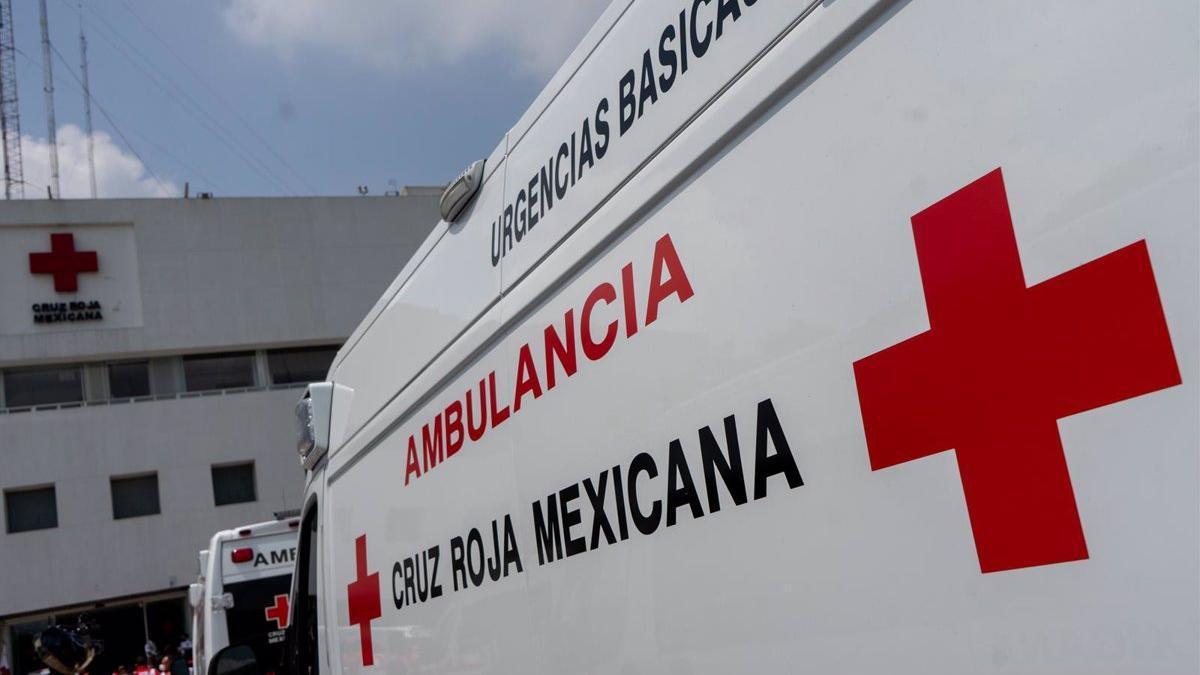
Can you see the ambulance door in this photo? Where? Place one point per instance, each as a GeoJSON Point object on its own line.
{"type": "Point", "coordinates": [389, 484]}
{"type": "Point", "coordinates": [307, 647]}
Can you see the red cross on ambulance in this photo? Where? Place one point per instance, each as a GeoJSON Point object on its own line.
{"type": "Point", "coordinates": [1001, 363]}
{"type": "Point", "coordinates": [363, 600]}
{"type": "Point", "coordinates": [278, 612]}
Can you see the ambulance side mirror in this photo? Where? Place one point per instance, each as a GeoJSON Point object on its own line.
{"type": "Point", "coordinates": [321, 418]}
{"type": "Point", "coordinates": [195, 595]}
{"type": "Point", "coordinates": [234, 660]}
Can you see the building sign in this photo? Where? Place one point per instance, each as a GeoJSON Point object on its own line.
{"type": "Point", "coordinates": [56, 312]}
{"type": "Point", "coordinates": [65, 264]}
{"type": "Point", "coordinates": [58, 278]}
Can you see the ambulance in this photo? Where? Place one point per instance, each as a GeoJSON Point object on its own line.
{"type": "Point", "coordinates": [788, 336]}
{"type": "Point", "coordinates": [241, 593]}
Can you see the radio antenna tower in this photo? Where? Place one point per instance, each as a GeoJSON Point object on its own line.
{"type": "Point", "coordinates": [87, 103]}
{"type": "Point", "coordinates": [10, 119]}
{"type": "Point", "coordinates": [48, 87]}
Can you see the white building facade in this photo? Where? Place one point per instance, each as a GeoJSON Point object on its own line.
{"type": "Point", "coordinates": [151, 352]}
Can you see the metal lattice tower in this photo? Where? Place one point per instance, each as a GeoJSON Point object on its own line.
{"type": "Point", "coordinates": [10, 118]}
{"type": "Point", "coordinates": [87, 103]}
{"type": "Point", "coordinates": [48, 87]}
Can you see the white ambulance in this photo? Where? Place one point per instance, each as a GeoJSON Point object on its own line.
{"type": "Point", "coordinates": [241, 594]}
{"type": "Point", "coordinates": [824, 336]}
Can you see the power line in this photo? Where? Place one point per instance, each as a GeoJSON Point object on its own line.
{"type": "Point", "coordinates": [112, 122]}
{"type": "Point", "coordinates": [217, 95]}
{"type": "Point", "coordinates": [178, 160]}
{"type": "Point", "coordinates": [150, 141]}
{"type": "Point", "coordinates": [193, 108]}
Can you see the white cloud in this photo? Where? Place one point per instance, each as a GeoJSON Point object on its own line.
{"type": "Point", "coordinates": [118, 173]}
{"type": "Point", "coordinates": [403, 35]}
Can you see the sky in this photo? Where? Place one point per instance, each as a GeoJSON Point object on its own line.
{"type": "Point", "coordinates": [283, 97]}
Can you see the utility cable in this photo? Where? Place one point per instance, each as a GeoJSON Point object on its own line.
{"type": "Point", "coordinates": [244, 152]}
{"type": "Point", "coordinates": [162, 186]}
{"type": "Point", "coordinates": [163, 81]}
{"type": "Point", "coordinates": [190, 168]}
{"type": "Point", "coordinates": [195, 110]}
{"type": "Point", "coordinates": [217, 95]}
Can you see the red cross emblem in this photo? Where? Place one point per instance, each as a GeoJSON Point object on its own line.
{"type": "Point", "coordinates": [1001, 363]}
{"type": "Point", "coordinates": [64, 262]}
{"type": "Point", "coordinates": [363, 599]}
{"type": "Point", "coordinates": [279, 612]}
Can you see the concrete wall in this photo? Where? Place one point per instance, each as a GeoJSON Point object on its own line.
{"type": "Point", "coordinates": [213, 275]}
{"type": "Point", "coordinates": [226, 273]}
{"type": "Point", "coordinates": [90, 555]}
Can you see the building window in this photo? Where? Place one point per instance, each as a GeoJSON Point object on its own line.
{"type": "Point", "coordinates": [25, 387]}
{"type": "Point", "coordinates": [129, 379]}
{"type": "Point", "coordinates": [233, 484]}
{"type": "Point", "coordinates": [30, 509]}
{"type": "Point", "coordinates": [134, 496]}
{"type": "Point", "coordinates": [302, 364]}
{"type": "Point", "coordinates": [218, 371]}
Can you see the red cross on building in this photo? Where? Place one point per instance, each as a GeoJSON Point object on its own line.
{"type": "Point", "coordinates": [363, 599]}
{"type": "Point", "coordinates": [278, 612]}
{"type": "Point", "coordinates": [64, 262]}
{"type": "Point", "coordinates": [1001, 363]}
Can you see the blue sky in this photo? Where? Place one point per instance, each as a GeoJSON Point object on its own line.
{"type": "Point", "coordinates": [278, 97]}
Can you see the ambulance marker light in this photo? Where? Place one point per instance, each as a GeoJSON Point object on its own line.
{"type": "Point", "coordinates": [459, 193]}
{"type": "Point", "coordinates": [241, 555]}
{"type": "Point", "coordinates": [306, 440]}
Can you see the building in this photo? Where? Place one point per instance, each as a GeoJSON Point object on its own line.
{"type": "Point", "coordinates": [151, 353]}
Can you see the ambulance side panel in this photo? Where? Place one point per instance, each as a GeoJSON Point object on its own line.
{"type": "Point", "coordinates": [424, 309]}
{"type": "Point", "coordinates": [762, 248]}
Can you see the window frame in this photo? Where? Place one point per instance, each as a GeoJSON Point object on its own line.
{"type": "Point", "coordinates": [79, 377]}
{"type": "Point", "coordinates": [114, 480]}
{"type": "Point", "coordinates": [284, 351]}
{"type": "Point", "coordinates": [108, 379]}
{"type": "Point", "coordinates": [214, 468]}
{"type": "Point", "coordinates": [304, 650]}
{"type": "Point", "coordinates": [249, 355]}
{"type": "Point", "coordinates": [53, 488]}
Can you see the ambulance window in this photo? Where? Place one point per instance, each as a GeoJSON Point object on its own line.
{"type": "Point", "coordinates": [307, 571]}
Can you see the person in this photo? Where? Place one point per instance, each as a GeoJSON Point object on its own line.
{"type": "Point", "coordinates": [175, 664]}
{"type": "Point", "coordinates": [142, 667]}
